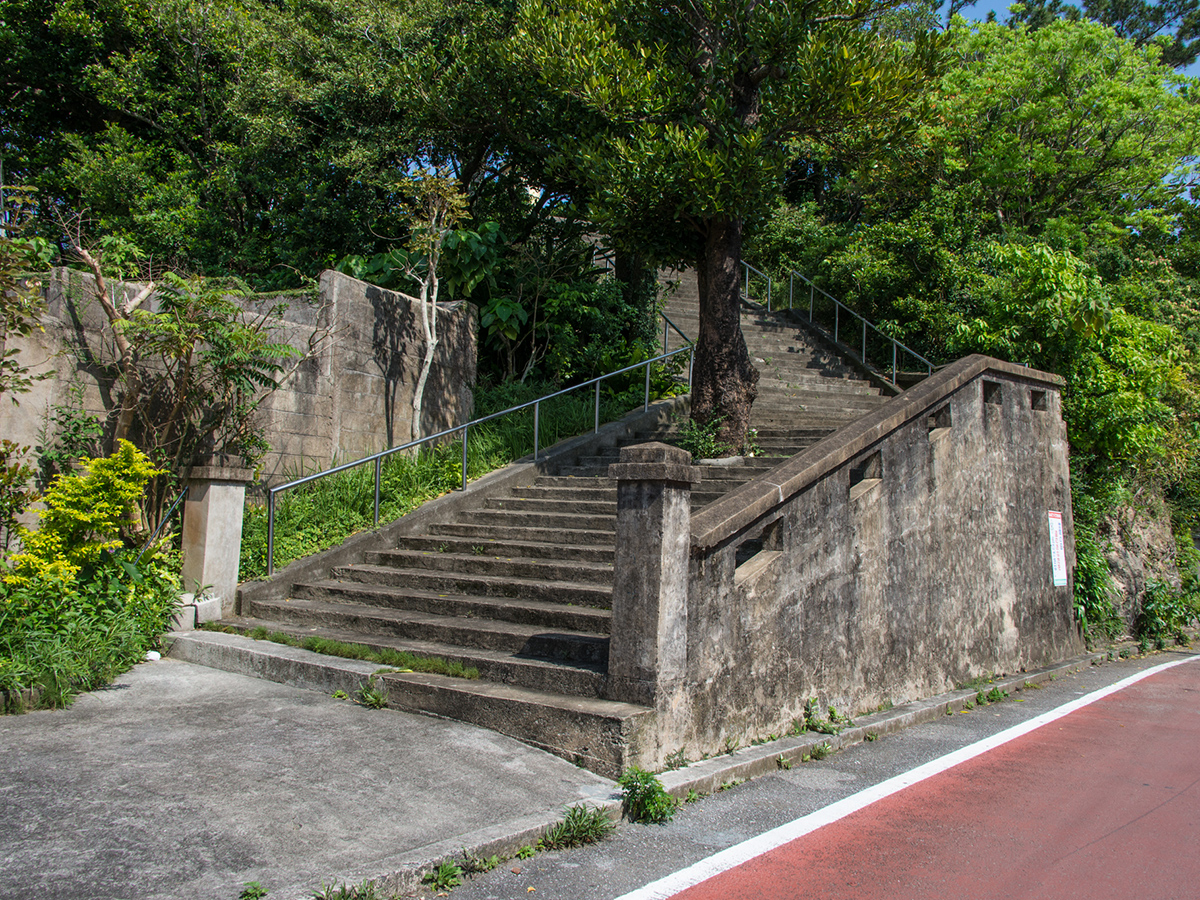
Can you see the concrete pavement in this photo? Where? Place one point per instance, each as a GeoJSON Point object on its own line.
{"type": "Point", "coordinates": [182, 781]}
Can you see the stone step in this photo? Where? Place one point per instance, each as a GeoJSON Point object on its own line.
{"type": "Point", "coordinates": [566, 591]}
{"type": "Point", "coordinates": [601, 735]}
{"type": "Point", "coordinates": [461, 631]}
{"type": "Point", "coordinates": [577, 491]}
{"type": "Point", "coordinates": [495, 566]}
{"type": "Point", "coordinates": [578, 679]}
{"type": "Point", "coordinates": [504, 609]}
{"type": "Point", "coordinates": [534, 534]}
{"type": "Point", "coordinates": [553, 505]}
{"type": "Point", "coordinates": [565, 521]}
{"type": "Point", "coordinates": [486, 544]}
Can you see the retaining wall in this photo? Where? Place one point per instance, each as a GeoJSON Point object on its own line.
{"type": "Point", "coordinates": [350, 398]}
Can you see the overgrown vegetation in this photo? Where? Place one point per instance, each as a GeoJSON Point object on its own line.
{"type": "Point", "coordinates": [77, 608]}
{"type": "Point", "coordinates": [582, 825]}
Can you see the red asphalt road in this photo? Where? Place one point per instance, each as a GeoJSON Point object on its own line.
{"type": "Point", "coordinates": [1103, 803]}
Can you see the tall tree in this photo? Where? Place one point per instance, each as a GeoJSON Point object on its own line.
{"type": "Point", "coordinates": [692, 107]}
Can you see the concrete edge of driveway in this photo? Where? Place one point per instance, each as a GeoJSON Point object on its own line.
{"type": "Point", "coordinates": [404, 871]}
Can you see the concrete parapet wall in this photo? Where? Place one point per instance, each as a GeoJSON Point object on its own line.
{"type": "Point", "coordinates": [906, 553]}
{"type": "Point", "coordinates": [350, 398]}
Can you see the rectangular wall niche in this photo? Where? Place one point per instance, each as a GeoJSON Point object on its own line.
{"type": "Point", "coordinates": [1037, 400]}
{"type": "Point", "coordinates": [991, 393]}
{"type": "Point", "coordinates": [939, 422]}
{"type": "Point", "coordinates": [865, 475]}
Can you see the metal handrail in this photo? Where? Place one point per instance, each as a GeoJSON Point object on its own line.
{"type": "Point", "coordinates": [838, 308]}
{"type": "Point", "coordinates": [667, 323]}
{"type": "Point", "coordinates": [377, 458]}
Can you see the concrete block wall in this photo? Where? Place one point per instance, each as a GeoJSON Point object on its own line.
{"type": "Point", "coordinates": [906, 553]}
{"type": "Point", "coordinates": [351, 398]}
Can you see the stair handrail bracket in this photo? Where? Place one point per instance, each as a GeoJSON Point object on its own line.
{"type": "Point", "coordinates": [464, 430]}
{"type": "Point", "coordinates": [910, 550]}
{"type": "Point", "coordinates": [840, 309]}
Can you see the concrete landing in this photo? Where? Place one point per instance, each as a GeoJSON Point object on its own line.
{"type": "Point", "coordinates": [182, 781]}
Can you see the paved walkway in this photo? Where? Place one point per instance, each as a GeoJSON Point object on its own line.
{"type": "Point", "coordinates": [181, 781]}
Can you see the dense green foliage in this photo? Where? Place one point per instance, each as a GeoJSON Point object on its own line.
{"type": "Point", "coordinates": [77, 607]}
{"type": "Point", "coordinates": [1041, 215]}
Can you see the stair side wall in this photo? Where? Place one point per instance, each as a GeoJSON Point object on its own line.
{"type": "Point", "coordinates": [932, 570]}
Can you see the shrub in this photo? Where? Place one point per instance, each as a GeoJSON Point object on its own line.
{"type": "Point", "coordinates": [86, 516]}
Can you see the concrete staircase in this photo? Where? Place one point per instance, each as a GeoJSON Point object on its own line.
{"type": "Point", "coordinates": [520, 587]}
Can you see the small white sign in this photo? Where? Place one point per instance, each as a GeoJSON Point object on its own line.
{"type": "Point", "coordinates": [1058, 554]}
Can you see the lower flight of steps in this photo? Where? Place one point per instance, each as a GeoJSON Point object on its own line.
{"type": "Point", "coordinates": [520, 587]}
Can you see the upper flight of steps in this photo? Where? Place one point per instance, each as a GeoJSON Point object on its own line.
{"type": "Point", "coordinates": [520, 587]}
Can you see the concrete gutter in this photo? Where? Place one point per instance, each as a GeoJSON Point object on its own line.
{"type": "Point", "coordinates": [445, 508]}
{"type": "Point", "coordinates": [289, 665]}
{"type": "Point", "coordinates": [746, 504]}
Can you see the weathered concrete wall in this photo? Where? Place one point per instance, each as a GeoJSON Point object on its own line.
{"type": "Point", "coordinates": [906, 553]}
{"type": "Point", "coordinates": [352, 397]}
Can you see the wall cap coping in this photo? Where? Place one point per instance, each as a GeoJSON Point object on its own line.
{"type": "Point", "coordinates": [221, 473]}
{"type": "Point", "coordinates": [742, 506]}
{"type": "Point", "coordinates": [655, 461]}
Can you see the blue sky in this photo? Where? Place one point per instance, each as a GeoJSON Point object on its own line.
{"type": "Point", "coordinates": [1000, 7]}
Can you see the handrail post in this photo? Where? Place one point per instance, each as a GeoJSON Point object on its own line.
{"type": "Point", "coordinates": [597, 425]}
{"type": "Point", "coordinates": [893, 360]}
{"type": "Point", "coordinates": [664, 334]}
{"type": "Point", "coordinates": [691, 367]}
{"type": "Point", "coordinates": [864, 353]}
{"type": "Point", "coordinates": [770, 280]}
{"type": "Point", "coordinates": [378, 472]}
{"type": "Point", "coordinates": [646, 404]}
{"type": "Point", "coordinates": [812, 289]}
{"type": "Point", "coordinates": [791, 289]}
{"type": "Point", "coordinates": [537, 408]}
{"type": "Point", "coordinates": [466, 429]}
{"type": "Point", "coordinates": [837, 308]}
{"type": "Point", "coordinates": [270, 532]}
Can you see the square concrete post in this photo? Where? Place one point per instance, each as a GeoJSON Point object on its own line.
{"type": "Point", "coordinates": [648, 648]}
{"type": "Point", "coordinates": [212, 532]}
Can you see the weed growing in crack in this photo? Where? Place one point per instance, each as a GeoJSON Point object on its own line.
{"type": "Point", "coordinates": [644, 797]}
{"type": "Point", "coordinates": [371, 696]}
{"type": "Point", "coordinates": [822, 750]}
{"type": "Point", "coordinates": [365, 890]}
{"type": "Point", "coordinates": [474, 865]}
{"type": "Point", "coordinates": [582, 825]}
{"type": "Point", "coordinates": [447, 875]}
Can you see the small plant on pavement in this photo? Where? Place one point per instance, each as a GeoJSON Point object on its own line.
{"type": "Point", "coordinates": [447, 875]}
{"type": "Point", "coordinates": [252, 890]}
{"type": "Point", "coordinates": [813, 722]}
{"type": "Point", "coordinates": [372, 696]}
{"type": "Point", "coordinates": [474, 865]}
{"type": "Point", "coordinates": [822, 750]}
{"type": "Point", "coordinates": [581, 826]}
{"type": "Point", "coordinates": [644, 797]}
{"type": "Point", "coordinates": [365, 890]}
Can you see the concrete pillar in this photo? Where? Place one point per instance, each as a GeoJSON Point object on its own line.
{"type": "Point", "coordinates": [212, 532]}
{"type": "Point", "coordinates": [648, 648]}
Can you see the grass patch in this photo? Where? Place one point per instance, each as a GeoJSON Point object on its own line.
{"type": "Point", "coordinates": [581, 826]}
{"type": "Point", "coordinates": [324, 513]}
{"type": "Point", "coordinates": [392, 660]}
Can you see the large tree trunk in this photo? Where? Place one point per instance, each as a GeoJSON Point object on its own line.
{"type": "Point", "coordinates": [724, 382]}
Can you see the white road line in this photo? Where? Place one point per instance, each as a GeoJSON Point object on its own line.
{"type": "Point", "coordinates": [776, 837]}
